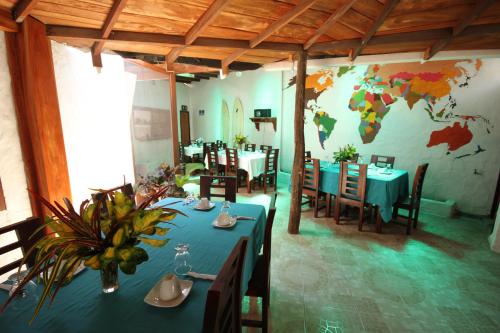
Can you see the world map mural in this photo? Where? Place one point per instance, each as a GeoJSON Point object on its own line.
{"type": "Point", "coordinates": [421, 87]}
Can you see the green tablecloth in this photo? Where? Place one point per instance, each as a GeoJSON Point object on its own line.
{"type": "Point", "coordinates": [381, 189]}
{"type": "Point", "coordinates": [81, 307]}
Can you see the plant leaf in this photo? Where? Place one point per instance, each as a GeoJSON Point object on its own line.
{"type": "Point", "coordinates": [153, 242]}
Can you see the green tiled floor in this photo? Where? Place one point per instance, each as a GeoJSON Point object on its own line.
{"type": "Point", "coordinates": [330, 278]}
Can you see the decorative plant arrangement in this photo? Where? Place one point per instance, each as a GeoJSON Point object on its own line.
{"type": "Point", "coordinates": [199, 142]}
{"type": "Point", "coordinates": [240, 140]}
{"type": "Point", "coordinates": [165, 176]}
{"type": "Point", "coordinates": [103, 235]}
{"type": "Point", "coordinates": [344, 154]}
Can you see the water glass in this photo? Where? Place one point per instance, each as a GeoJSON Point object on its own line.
{"type": "Point", "coordinates": [182, 260]}
{"type": "Point", "coordinates": [28, 297]}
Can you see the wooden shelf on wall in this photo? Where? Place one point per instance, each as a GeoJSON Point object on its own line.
{"type": "Point", "coordinates": [258, 120]}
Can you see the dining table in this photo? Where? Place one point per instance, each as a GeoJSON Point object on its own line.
{"type": "Point", "coordinates": [384, 187]}
{"type": "Point", "coordinates": [82, 307]}
{"type": "Point", "coordinates": [192, 150]}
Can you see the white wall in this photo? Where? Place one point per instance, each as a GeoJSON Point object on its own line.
{"type": "Point", "coordinates": [95, 112]}
{"type": "Point", "coordinates": [11, 160]}
{"type": "Point", "coordinates": [404, 133]}
{"type": "Point", "coordinates": [256, 89]}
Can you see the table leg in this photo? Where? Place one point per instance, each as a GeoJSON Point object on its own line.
{"type": "Point", "coordinates": [249, 187]}
{"type": "Point", "coordinates": [328, 204]}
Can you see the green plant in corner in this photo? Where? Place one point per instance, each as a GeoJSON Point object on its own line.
{"type": "Point", "coordinates": [344, 154]}
{"type": "Point", "coordinates": [101, 233]}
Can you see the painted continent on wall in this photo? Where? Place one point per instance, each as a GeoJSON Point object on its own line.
{"type": "Point", "coordinates": [425, 85]}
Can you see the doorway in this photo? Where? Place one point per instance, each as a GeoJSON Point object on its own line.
{"type": "Point", "coordinates": [185, 128]}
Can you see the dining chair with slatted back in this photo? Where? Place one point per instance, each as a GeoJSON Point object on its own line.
{"type": "Point", "coordinates": [352, 189]}
{"type": "Point", "coordinates": [310, 184]}
{"type": "Point", "coordinates": [250, 146]}
{"type": "Point", "coordinates": [183, 158]}
{"type": "Point", "coordinates": [412, 203]}
{"type": "Point", "coordinates": [223, 304]}
{"type": "Point", "coordinates": [213, 166]}
{"type": "Point", "coordinates": [383, 161]}
{"type": "Point", "coordinates": [260, 283]}
{"type": "Point", "coordinates": [265, 147]}
{"type": "Point", "coordinates": [228, 183]}
{"type": "Point", "coordinates": [232, 167]}
{"type": "Point", "coordinates": [25, 240]}
{"type": "Point", "coordinates": [271, 169]}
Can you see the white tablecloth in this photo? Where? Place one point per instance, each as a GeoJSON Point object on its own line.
{"type": "Point", "coordinates": [251, 162]}
{"type": "Point", "coordinates": [191, 150]}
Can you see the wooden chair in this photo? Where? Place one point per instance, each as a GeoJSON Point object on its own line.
{"type": "Point", "coordinates": [310, 185]}
{"type": "Point", "coordinates": [183, 158]}
{"type": "Point", "coordinates": [270, 168]}
{"type": "Point", "coordinates": [221, 145]}
{"type": "Point", "coordinates": [223, 305]}
{"type": "Point", "coordinates": [354, 158]}
{"type": "Point", "coordinates": [233, 169]}
{"type": "Point", "coordinates": [383, 161]}
{"type": "Point", "coordinates": [250, 146]}
{"type": "Point", "coordinates": [412, 204]}
{"type": "Point", "coordinates": [307, 154]}
{"type": "Point", "coordinates": [259, 284]}
{"type": "Point", "coordinates": [25, 240]}
{"type": "Point", "coordinates": [352, 188]}
{"type": "Point", "coordinates": [225, 182]}
{"type": "Point", "coordinates": [213, 166]}
{"type": "Point", "coordinates": [265, 147]}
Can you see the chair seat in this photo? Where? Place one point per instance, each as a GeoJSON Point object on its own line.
{"type": "Point", "coordinates": [405, 204]}
{"type": "Point", "coordinates": [257, 284]}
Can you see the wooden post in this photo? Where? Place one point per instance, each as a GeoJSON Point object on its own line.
{"type": "Point", "coordinates": [298, 160]}
{"type": "Point", "coordinates": [173, 117]}
{"type": "Point", "coordinates": [37, 109]}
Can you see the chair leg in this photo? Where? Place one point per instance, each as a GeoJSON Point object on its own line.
{"type": "Point", "coordinates": [275, 182]}
{"type": "Point", "coordinates": [316, 204]}
{"type": "Point", "coordinates": [337, 211]}
{"type": "Point", "coordinates": [264, 180]}
{"type": "Point", "coordinates": [265, 312]}
{"type": "Point", "coordinates": [361, 216]}
{"type": "Point", "coordinates": [395, 211]}
{"type": "Point", "coordinates": [415, 217]}
{"type": "Point", "coordinates": [249, 188]}
{"type": "Point", "coordinates": [409, 221]}
{"type": "Point", "coordinates": [378, 221]}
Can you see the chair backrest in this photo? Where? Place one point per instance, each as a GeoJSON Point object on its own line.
{"type": "Point", "coordinates": [24, 230]}
{"type": "Point", "coordinates": [383, 161]}
{"type": "Point", "coordinates": [307, 154]}
{"type": "Point", "coordinates": [265, 147]}
{"type": "Point", "coordinates": [354, 158]}
{"type": "Point", "coordinates": [206, 148]}
{"type": "Point", "coordinates": [221, 145]}
{"type": "Point", "coordinates": [352, 181]}
{"type": "Point", "coordinates": [213, 160]}
{"type": "Point", "coordinates": [271, 161]}
{"type": "Point", "coordinates": [231, 161]}
{"type": "Point", "coordinates": [310, 180]}
{"type": "Point", "coordinates": [225, 182]}
{"type": "Point", "coordinates": [250, 146]}
{"type": "Point", "coordinates": [267, 241]}
{"type": "Point", "coordinates": [182, 153]}
{"type": "Point", "coordinates": [223, 305]}
{"type": "Point", "coordinates": [418, 183]}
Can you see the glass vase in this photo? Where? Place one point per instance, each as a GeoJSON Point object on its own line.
{"type": "Point", "coordinates": [109, 278]}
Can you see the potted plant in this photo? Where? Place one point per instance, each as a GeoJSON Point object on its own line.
{"type": "Point", "coordinates": [345, 154]}
{"type": "Point", "coordinates": [240, 140]}
{"type": "Point", "coordinates": [104, 235]}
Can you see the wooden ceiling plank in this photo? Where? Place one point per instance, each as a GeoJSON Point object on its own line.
{"type": "Point", "coordinates": [329, 22]}
{"type": "Point", "coordinates": [282, 21]}
{"type": "Point", "coordinates": [215, 8]}
{"type": "Point", "coordinates": [116, 9]}
{"type": "Point", "coordinates": [22, 9]}
{"type": "Point", "coordinates": [479, 8]}
{"type": "Point", "coordinates": [388, 7]}
{"type": "Point", "coordinates": [6, 22]}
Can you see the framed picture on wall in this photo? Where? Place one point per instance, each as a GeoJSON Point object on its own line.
{"type": "Point", "coordinates": [151, 124]}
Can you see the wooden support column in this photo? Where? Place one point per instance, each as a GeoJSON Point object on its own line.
{"type": "Point", "coordinates": [37, 109]}
{"type": "Point", "coordinates": [173, 117]}
{"type": "Point", "coordinates": [298, 160]}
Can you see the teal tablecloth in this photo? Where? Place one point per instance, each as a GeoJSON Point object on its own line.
{"type": "Point", "coordinates": [82, 307]}
{"type": "Point", "coordinates": [381, 189]}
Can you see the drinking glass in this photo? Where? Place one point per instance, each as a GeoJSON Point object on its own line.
{"type": "Point", "coordinates": [182, 260]}
{"type": "Point", "coordinates": [28, 297]}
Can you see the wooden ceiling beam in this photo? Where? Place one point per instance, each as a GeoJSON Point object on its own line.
{"type": "Point", "coordinates": [388, 7]}
{"type": "Point", "coordinates": [107, 27]}
{"type": "Point", "coordinates": [215, 8]}
{"type": "Point", "coordinates": [172, 40]}
{"type": "Point", "coordinates": [22, 9]}
{"type": "Point", "coordinates": [329, 22]}
{"type": "Point", "coordinates": [6, 22]}
{"type": "Point", "coordinates": [272, 28]}
{"type": "Point", "coordinates": [479, 8]}
{"type": "Point", "coordinates": [174, 54]}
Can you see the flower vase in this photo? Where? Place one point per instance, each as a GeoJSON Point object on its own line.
{"type": "Point", "coordinates": [240, 147]}
{"type": "Point", "coordinates": [109, 278]}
